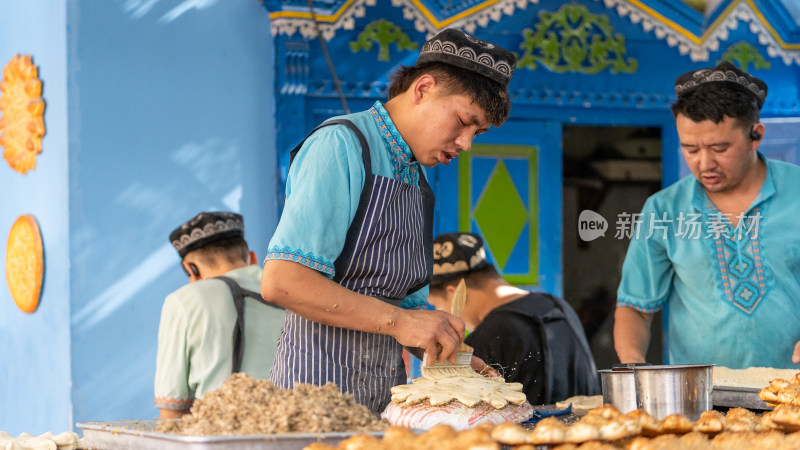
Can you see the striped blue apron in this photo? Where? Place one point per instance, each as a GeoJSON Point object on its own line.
{"type": "Point", "coordinates": [388, 255]}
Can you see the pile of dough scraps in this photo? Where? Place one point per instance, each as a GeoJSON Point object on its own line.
{"type": "Point", "coordinates": [245, 405]}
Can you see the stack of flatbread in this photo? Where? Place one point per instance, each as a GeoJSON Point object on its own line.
{"type": "Point", "coordinates": [468, 391]}
{"type": "Point", "coordinates": [460, 402]}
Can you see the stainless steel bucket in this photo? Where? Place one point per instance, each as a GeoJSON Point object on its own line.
{"type": "Point", "coordinates": [619, 388]}
{"type": "Point", "coordinates": [674, 389]}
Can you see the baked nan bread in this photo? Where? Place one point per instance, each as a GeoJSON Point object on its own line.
{"type": "Point", "coordinates": [620, 428]}
{"type": "Point", "coordinates": [675, 424]}
{"type": "Point", "coordinates": [648, 424]}
{"type": "Point", "coordinates": [769, 396]}
{"type": "Point", "coordinates": [607, 411]}
{"type": "Point", "coordinates": [478, 438]}
{"type": "Point", "coordinates": [782, 391]}
{"type": "Point", "coordinates": [710, 422]}
{"type": "Point", "coordinates": [548, 431]}
{"type": "Point", "coordinates": [784, 418]}
{"type": "Point", "coordinates": [742, 420]}
{"type": "Point", "coordinates": [510, 434]}
{"type": "Point", "coordinates": [584, 430]}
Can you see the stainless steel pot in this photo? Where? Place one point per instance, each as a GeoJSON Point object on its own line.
{"type": "Point", "coordinates": [674, 389]}
{"type": "Point", "coordinates": [619, 388]}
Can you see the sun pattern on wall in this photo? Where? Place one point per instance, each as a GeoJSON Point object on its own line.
{"type": "Point", "coordinates": [25, 263]}
{"type": "Point", "coordinates": [21, 113]}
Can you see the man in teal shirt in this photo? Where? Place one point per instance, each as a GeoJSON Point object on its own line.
{"type": "Point", "coordinates": [351, 256]}
{"type": "Point", "coordinates": [720, 248]}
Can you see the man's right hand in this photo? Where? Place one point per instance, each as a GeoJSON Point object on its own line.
{"type": "Point", "coordinates": [424, 329]}
{"type": "Point", "coordinates": [311, 295]}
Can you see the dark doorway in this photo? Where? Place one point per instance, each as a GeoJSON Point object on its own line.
{"type": "Point", "coordinates": [610, 171]}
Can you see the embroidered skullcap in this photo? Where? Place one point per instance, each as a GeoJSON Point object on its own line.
{"type": "Point", "coordinates": [205, 228]}
{"type": "Point", "coordinates": [454, 47]}
{"type": "Point", "coordinates": [457, 253]}
{"type": "Point", "coordinates": [725, 73]}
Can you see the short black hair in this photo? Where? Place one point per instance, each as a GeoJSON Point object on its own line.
{"type": "Point", "coordinates": [715, 101]}
{"type": "Point", "coordinates": [473, 279]}
{"type": "Point", "coordinates": [231, 250]}
{"type": "Point", "coordinates": [487, 93]}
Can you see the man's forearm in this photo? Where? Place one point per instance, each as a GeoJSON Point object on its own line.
{"type": "Point", "coordinates": [631, 334]}
{"type": "Point", "coordinates": [310, 294]}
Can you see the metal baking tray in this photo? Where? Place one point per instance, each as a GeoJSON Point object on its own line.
{"type": "Point", "coordinates": [141, 435]}
{"type": "Point", "coordinates": [742, 397]}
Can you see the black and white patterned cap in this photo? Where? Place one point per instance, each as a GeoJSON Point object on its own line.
{"type": "Point", "coordinates": [726, 73]}
{"type": "Point", "coordinates": [205, 228]}
{"type": "Point", "coordinates": [457, 48]}
{"type": "Point", "coordinates": [457, 253]}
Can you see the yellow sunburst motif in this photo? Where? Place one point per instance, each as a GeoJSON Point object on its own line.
{"type": "Point", "coordinates": [21, 113]}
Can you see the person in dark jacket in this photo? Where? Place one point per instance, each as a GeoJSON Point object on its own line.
{"type": "Point", "coordinates": [531, 338]}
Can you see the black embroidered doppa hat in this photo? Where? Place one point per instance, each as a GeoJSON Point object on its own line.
{"type": "Point", "coordinates": [457, 48]}
{"type": "Point", "coordinates": [457, 253]}
{"type": "Point", "coordinates": [726, 73]}
{"type": "Point", "coordinates": [205, 228]}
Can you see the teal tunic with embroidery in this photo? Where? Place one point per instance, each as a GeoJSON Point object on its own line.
{"type": "Point", "coordinates": [314, 222]}
{"type": "Point", "coordinates": [359, 210]}
{"type": "Point", "coordinates": [733, 293]}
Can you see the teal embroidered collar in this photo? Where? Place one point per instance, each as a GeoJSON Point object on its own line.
{"type": "Point", "coordinates": [406, 169]}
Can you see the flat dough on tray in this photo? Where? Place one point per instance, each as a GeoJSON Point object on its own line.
{"type": "Point", "coordinates": [582, 402]}
{"type": "Point", "coordinates": [466, 390]}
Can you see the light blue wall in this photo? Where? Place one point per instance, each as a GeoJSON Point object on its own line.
{"type": "Point", "coordinates": [169, 111]}
{"type": "Point", "coordinates": [35, 377]}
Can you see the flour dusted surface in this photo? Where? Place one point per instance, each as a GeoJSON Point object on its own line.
{"type": "Point", "coordinates": [752, 377]}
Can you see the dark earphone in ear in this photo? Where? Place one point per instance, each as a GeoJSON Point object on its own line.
{"type": "Point", "coordinates": [193, 268]}
{"type": "Point", "coordinates": [755, 135]}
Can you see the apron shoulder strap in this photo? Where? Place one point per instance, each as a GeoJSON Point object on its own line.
{"type": "Point", "coordinates": [365, 155]}
{"type": "Point", "coordinates": [238, 293]}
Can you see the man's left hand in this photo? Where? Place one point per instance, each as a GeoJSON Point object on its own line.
{"type": "Point", "coordinates": [796, 354]}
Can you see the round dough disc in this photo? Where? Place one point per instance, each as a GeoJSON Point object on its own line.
{"type": "Point", "coordinates": [25, 263]}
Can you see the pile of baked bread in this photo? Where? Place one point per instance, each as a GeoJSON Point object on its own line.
{"type": "Point", "coordinates": [601, 428]}
{"type": "Point", "coordinates": [605, 427]}
{"type": "Point", "coordinates": [637, 430]}
{"type": "Point", "coordinates": [782, 392]}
